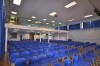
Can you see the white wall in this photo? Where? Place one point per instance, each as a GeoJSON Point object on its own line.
{"type": "Point", "coordinates": [25, 35]}
{"type": "Point", "coordinates": [60, 36]}
{"type": "Point", "coordinates": [85, 35]}
{"type": "Point", "coordinates": [90, 35]}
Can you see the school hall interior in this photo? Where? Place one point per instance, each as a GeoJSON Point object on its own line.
{"type": "Point", "coordinates": [49, 32]}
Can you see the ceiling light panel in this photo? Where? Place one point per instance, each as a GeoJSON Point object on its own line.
{"type": "Point", "coordinates": [13, 12]}
{"type": "Point", "coordinates": [53, 14]}
{"type": "Point", "coordinates": [39, 22]}
{"type": "Point", "coordinates": [60, 23]}
{"type": "Point", "coordinates": [33, 17]}
{"type": "Point", "coordinates": [71, 4]}
{"type": "Point", "coordinates": [17, 2]}
{"type": "Point", "coordinates": [47, 23]}
{"type": "Point", "coordinates": [44, 19]}
{"type": "Point", "coordinates": [29, 20]}
{"type": "Point", "coordinates": [71, 19]}
{"type": "Point", "coordinates": [53, 21]}
{"type": "Point", "coordinates": [36, 22]}
{"type": "Point", "coordinates": [88, 16]}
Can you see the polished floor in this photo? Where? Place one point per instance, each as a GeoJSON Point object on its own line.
{"type": "Point", "coordinates": [4, 61]}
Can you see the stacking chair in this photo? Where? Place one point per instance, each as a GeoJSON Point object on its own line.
{"type": "Point", "coordinates": [56, 64]}
{"type": "Point", "coordinates": [33, 61]}
{"type": "Point", "coordinates": [20, 62]}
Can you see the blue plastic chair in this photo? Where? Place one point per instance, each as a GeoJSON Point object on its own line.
{"type": "Point", "coordinates": [43, 60]}
{"type": "Point", "coordinates": [13, 57]}
{"type": "Point", "coordinates": [33, 61]}
{"type": "Point", "coordinates": [67, 62]}
{"type": "Point", "coordinates": [20, 62]}
{"type": "Point", "coordinates": [25, 54]}
{"type": "Point", "coordinates": [57, 64]}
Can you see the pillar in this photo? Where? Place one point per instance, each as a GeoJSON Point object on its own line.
{"type": "Point", "coordinates": [6, 38]}
{"type": "Point", "coordinates": [40, 38]}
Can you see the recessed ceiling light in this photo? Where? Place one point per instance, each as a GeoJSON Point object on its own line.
{"type": "Point", "coordinates": [33, 17]}
{"type": "Point", "coordinates": [88, 16]}
{"type": "Point", "coordinates": [53, 14]}
{"type": "Point", "coordinates": [71, 4]}
{"type": "Point", "coordinates": [44, 19]}
{"type": "Point", "coordinates": [36, 22]}
{"type": "Point", "coordinates": [39, 22]}
{"type": "Point", "coordinates": [53, 24]}
{"type": "Point", "coordinates": [53, 21]}
{"type": "Point", "coordinates": [12, 17]}
{"type": "Point", "coordinates": [60, 23]}
{"type": "Point", "coordinates": [47, 23]}
{"type": "Point", "coordinates": [12, 21]}
{"type": "Point", "coordinates": [13, 12]}
{"type": "Point", "coordinates": [17, 2]}
{"type": "Point", "coordinates": [71, 19]}
{"type": "Point", "coordinates": [29, 20]}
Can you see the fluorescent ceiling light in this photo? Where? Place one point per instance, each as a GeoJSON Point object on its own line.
{"type": "Point", "coordinates": [71, 20]}
{"type": "Point", "coordinates": [44, 19]}
{"type": "Point", "coordinates": [39, 22]}
{"type": "Point", "coordinates": [71, 4]}
{"type": "Point", "coordinates": [33, 17]}
{"type": "Point", "coordinates": [88, 16]}
{"type": "Point", "coordinates": [36, 22]}
{"type": "Point", "coordinates": [53, 21]}
{"type": "Point", "coordinates": [53, 24]}
{"type": "Point", "coordinates": [13, 12]}
{"type": "Point", "coordinates": [29, 20]}
{"type": "Point", "coordinates": [60, 23]}
{"type": "Point", "coordinates": [47, 23]}
{"type": "Point", "coordinates": [17, 2]}
{"type": "Point", "coordinates": [12, 21]}
{"type": "Point", "coordinates": [53, 14]}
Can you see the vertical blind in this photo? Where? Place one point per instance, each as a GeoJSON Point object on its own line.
{"type": "Point", "coordinates": [86, 25]}
{"type": "Point", "coordinates": [74, 26]}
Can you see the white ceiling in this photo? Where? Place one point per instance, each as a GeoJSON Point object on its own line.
{"type": "Point", "coordinates": [42, 8]}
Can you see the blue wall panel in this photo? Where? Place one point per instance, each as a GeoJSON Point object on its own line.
{"type": "Point", "coordinates": [2, 29]}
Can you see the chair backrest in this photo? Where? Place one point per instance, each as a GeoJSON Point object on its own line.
{"type": "Point", "coordinates": [25, 54]}
{"type": "Point", "coordinates": [67, 62]}
{"type": "Point", "coordinates": [33, 59]}
{"type": "Point", "coordinates": [57, 64]}
{"type": "Point", "coordinates": [42, 57]}
{"type": "Point", "coordinates": [14, 55]}
{"type": "Point", "coordinates": [56, 54]}
{"type": "Point", "coordinates": [75, 59]}
{"type": "Point", "coordinates": [20, 62]}
{"type": "Point", "coordinates": [50, 55]}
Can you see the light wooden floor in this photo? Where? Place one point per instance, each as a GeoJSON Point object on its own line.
{"type": "Point", "coordinates": [4, 61]}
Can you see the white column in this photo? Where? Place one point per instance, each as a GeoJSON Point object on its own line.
{"type": "Point", "coordinates": [48, 38]}
{"type": "Point", "coordinates": [58, 36]}
{"type": "Point", "coordinates": [40, 37]}
{"type": "Point", "coordinates": [67, 36]}
{"type": "Point", "coordinates": [6, 38]}
{"type": "Point", "coordinates": [35, 37]}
